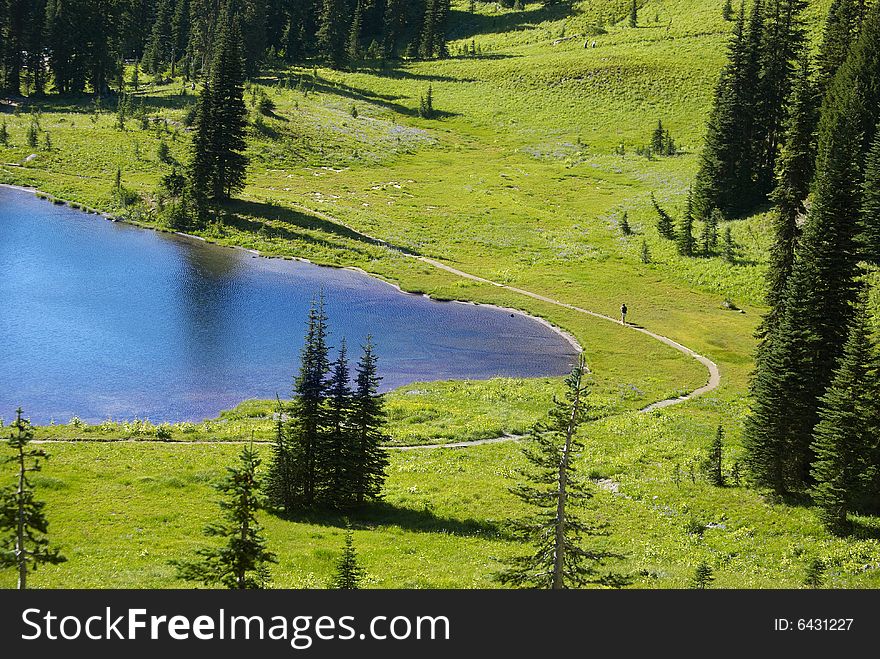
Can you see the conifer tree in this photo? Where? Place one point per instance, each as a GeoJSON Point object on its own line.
{"type": "Point", "coordinates": [724, 171]}
{"type": "Point", "coordinates": [180, 26]}
{"type": "Point", "coordinates": [634, 14]}
{"type": "Point", "coordinates": [22, 522]}
{"type": "Point", "coordinates": [625, 228]}
{"type": "Point", "coordinates": [4, 134]}
{"type": "Point", "coordinates": [349, 574]}
{"type": "Point", "coordinates": [665, 226]}
{"type": "Point", "coordinates": [336, 451]}
{"type": "Point", "coordinates": [158, 51]}
{"type": "Point", "coordinates": [727, 10]}
{"type": "Point", "coordinates": [815, 576]}
{"type": "Point", "coordinates": [645, 254]}
{"type": "Point", "coordinates": [279, 486]}
{"type": "Point", "coordinates": [798, 367]}
{"type": "Point", "coordinates": [369, 459]}
{"type": "Point", "coordinates": [714, 460]}
{"type": "Point", "coordinates": [392, 24]}
{"type": "Point", "coordinates": [354, 35]}
{"type": "Point", "coordinates": [553, 489]}
{"type": "Point", "coordinates": [729, 246]}
{"type": "Point", "coordinates": [870, 216]}
{"type": "Point", "coordinates": [844, 438]}
{"type": "Point", "coordinates": [307, 429]}
{"type": "Point", "coordinates": [684, 238]}
{"type": "Point", "coordinates": [795, 172]}
{"type": "Point", "coordinates": [709, 234]}
{"type": "Point", "coordinates": [842, 27]}
{"type": "Point", "coordinates": [332, 33]}
{"type": "Point", "coordinates": [217, 168]}
{"type": "Point", "coordinates": [703, 576]}
{"type": "Point", "coordinates": [658, 138]}
{"type": "Point", "coordinates": [242, 562]}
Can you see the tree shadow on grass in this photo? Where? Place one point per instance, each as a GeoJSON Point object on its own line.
{"type": "Point", "coordinates": [863, 529]}
{"type": "Point", "coordinates": [242, 212]}
{"type": "Point", "coordinates": [382, 513]}
{"type": "Point", "coordinates": [386, 101]}
{"type": "Point", "coordinates": [469, 25]}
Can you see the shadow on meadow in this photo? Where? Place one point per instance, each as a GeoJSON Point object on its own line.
{"type": "Point", "coordinates": [470, 25]}
{"type": "Point", "coordinates": [382, 513]}
{"type": "Point", "coordinates": [242, 213]}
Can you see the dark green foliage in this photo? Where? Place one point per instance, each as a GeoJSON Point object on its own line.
{"type": "Point", "coordinates": [369, 459]}
{"type": "Point", "coordinates": [265, 105]}
{"type": "Point", "coordinates": [32, 135]}
{"type": "Point", "coordinates": [709, 234]}
{"type": "Point", "coordinates": [745, 126]}
{"type": "Point", "coordinates": [841, 30]}
{"type": "Point", "coordinates": [684, 237]}
{"type": "Point", "coordinates": [330, 451]}
{"type": "Point", "coordinates": [658, 138]}
{"type": "Point", "coordinates": [815, 574]}
{"type": "Point", "coordinates": [729, 246]}
{"type": "Point", "coordinates": [308, 424]}
{"type": "Point", "coordinates": [22, 522]}
{"type": "Point", "coordinates": [4, 134]}
{"type": "Point", "coordinates": [703, 576]}
{"type": "Point", "coordinates": [870, 215]}
{"type": "Point", "coordinates": [845, 437]}
{"type": "Point", "coordinates": [158, 53]}
{"type": "Point", "coordinates": [355, 52]}
{"type": "Point", "coordinates": [797, 364]}
{"type": "Point", "coordinates": [163, 153]}
{"type": "Point", "coordinates": [713, 464]}
{"type": "Point", "coordinates": [625, 228]}
{"type": "Point", "coordinates": [662, 143]}
{"type": "Point", "coordinates": [796, 167]}
{"type": "Point", "coordinates": [337, 448]}
{"type": "Point", "coordinates": [349, 574]}
{"type": "Point", "coordinates": [426, 104]}
{"type": "Point", "coordinates": [552, 488]}
{"type": "Point", "coordinates": [645, 254]}
{"type": "Point", "coordinates": [432, 40]}
{"type": "Point", "coordinates": [217, 168]}
{"type": "Point", "coordinates": [634, 14]}
{"type": "Point", "coordinates": [665, 226]}
{"type": "Point", "coordinates": [333, 32]}
{"type": "Point", "coordinates": [240, 563]}
{"type": "Point", "coordinates": [727, 10]}
{"type": "Point", "coordinates": [279, 487]}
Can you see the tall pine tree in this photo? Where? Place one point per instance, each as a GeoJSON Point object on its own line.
{"type": "Point", "coordinates": [552, 487]}
{"type": "Point", "coordinates": [242, 562]}
{"type": "Point", "coordinates": [218, 165]}
{"type": "Point", "coordinates": [308, 424]}
{"type": "Point", "coordinates": [846, 435]}
{"type": "Point", "coordinates": [369, 460]}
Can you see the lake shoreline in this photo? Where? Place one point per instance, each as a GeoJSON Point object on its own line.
{"type": "Point", "coordinates": [565, 334]}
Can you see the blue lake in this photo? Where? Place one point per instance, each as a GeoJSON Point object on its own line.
{"type": "Point", "coordinates": [103, 320]}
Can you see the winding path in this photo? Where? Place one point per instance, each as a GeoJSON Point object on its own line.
{"type": "Point", "coordinates": [714, 374]}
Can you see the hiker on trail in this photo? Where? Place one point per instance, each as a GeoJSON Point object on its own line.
{"type": "Point", "coordinates": [623, 314]}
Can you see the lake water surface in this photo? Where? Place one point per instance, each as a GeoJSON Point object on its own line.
{"type": "Point", "coordinates": [103, 320]}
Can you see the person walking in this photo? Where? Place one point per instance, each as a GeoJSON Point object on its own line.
{"type": "Point", "coordinates": [623, 314]}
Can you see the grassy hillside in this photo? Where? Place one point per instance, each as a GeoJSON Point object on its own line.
{"type": "Point", "coordinates": [522, 179]}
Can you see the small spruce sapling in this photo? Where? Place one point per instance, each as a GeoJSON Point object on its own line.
{"type": "Point", "coordinates": [349, 573]}
{"type": "Point", "coordinates": [703, 576]}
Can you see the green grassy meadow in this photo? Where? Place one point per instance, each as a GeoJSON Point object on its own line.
{"type": "Point", "coordinates": [522, 179]}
